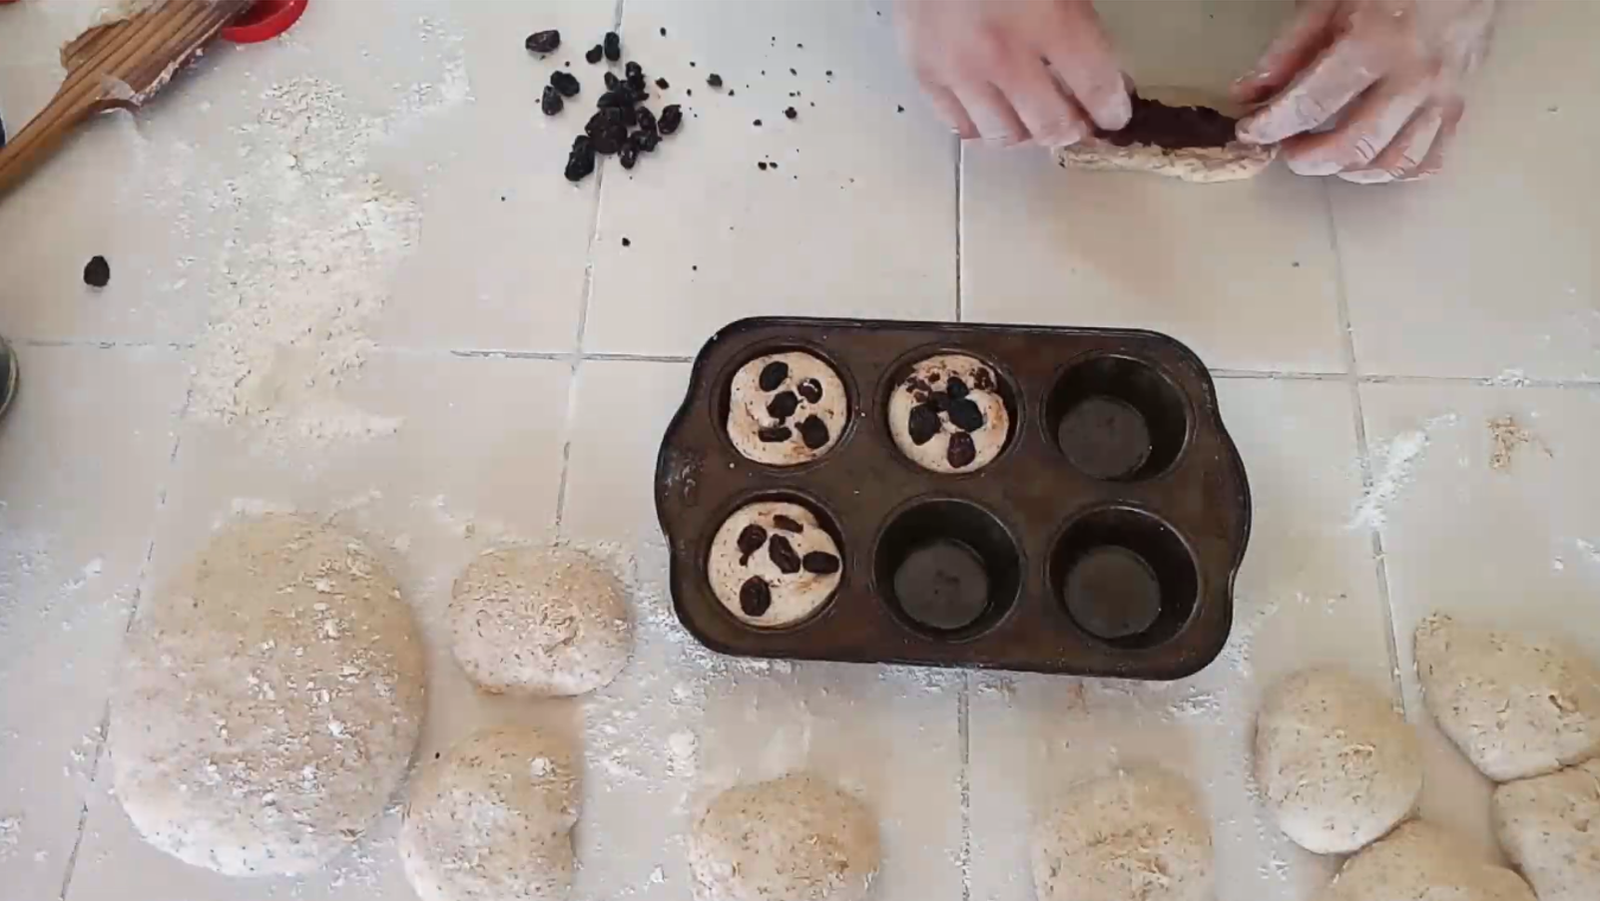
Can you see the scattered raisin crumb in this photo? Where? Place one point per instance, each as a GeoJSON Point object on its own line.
{"type": "Point", "coordinates": [790, 112]}
{"type": "Point", "coordinates": [97, 272]}
{"type": "Point", "coordinates": [663, 31]}
{"type": "Point", "coordinates": [662, 84]}
{"type": "Point", "coordinates": [758, 123]}
{"type": "Point", "coordinates": [626, 243]}
{"type": "Point", "coordinates": [899, 109]}
{"type": "Point", "coordinates": [714, 80]}
{"type": "Point", "coordinates": [793, 72]}
{"type": "Point", "coordinates": [762, 166]}
{"type": "Point", "coordinates": [828, 73]}
{"type": "Point", "coordinates": [695, 268]}
{"type": "Point", "coordinates": [730, 92]}
{"type": "Point", "coordinates": [772, 165]}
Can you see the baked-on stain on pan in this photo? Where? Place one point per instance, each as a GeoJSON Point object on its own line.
{"type": "Point", "coordinates": [1102, 540]}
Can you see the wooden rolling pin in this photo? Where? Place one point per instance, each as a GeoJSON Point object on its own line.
{"type": "Point", "coordinates": [115, 66]}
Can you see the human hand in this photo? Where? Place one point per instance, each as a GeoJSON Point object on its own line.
{"type": "Point", "coordinates": [1011, 70]}
{"type": "Point", "coordinates": [1387, 75]}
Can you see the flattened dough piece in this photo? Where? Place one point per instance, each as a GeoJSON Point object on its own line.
{"type": "Point", "coordinates": [785, 409]}
{"type": "Point", "coordinates": [1549, 826]}
{"type": "Point", "coordinates": [772, 564]}
{"type": "Point", "coordinates": [1130, 836]}
{"type": "Point", "coordinates": [1338, 766]}
{"type": "Point", "coordinates": [546, 621]}
{"type": "Point", "coordinates": [492, 819]}
{"type": "Point", "coordinates": [1420, 862]}
{"type": "Point", "coordinates": [948, 415]}
{"type": "Point", "coordinates": [269, 702]}
{"type": "Point", "coordinates": [1516, 705]}
{"type": "Point", "coordinates": [798, 838]}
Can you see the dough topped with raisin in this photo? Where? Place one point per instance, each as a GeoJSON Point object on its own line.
{"type": "Point", "coordinates": [772, 564]}
{"type": "Point", "coordinates": [785, 409]}
{"type": "Point", "coordinates": [948, 415]}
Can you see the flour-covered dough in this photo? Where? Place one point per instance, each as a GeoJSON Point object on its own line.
{"type": "Point", "coordinates": [772, 564]}
{"type": "Point", "coordinates": [492, 819]}
{"type": "Point", "coordinates": [785, 409]}
{"type": "Point", "coordinates": [798, 838]}
{"type": "Point", "coordinates": [269, 700]}
{"type": "Point", "coordinates": [1549, 826]}
{"type": "Point", "coordinates": [948, 415]}
{"type": "Point", "coordinates": [1516, 705]}
{"type": "Point", "coordinates": [545, 621]}
{"type": "Point", "coordinates": [1131, 836]}
{"type": "Point", "coordinates": [1337, 765]}
{"type": "Point", "coordinates": [1230, 162]}
{"type": "Point", "coordinates": [1420, 862]}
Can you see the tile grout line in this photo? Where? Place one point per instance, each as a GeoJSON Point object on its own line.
{"type": "Point", "coordinates": [961, 154]}
{"type": "Point", "coordinates": [1363, 446]}
{"type": "Point", "coordinates": [133, 611]}
{"type": "Point", "coordinates": [569, 421]}
{"type": "Point", "coordinates": [964, 731]}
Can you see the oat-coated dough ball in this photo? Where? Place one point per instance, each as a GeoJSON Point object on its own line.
{"type": "Point", "coordinates": [1549, 826]}
{"type": "Point", "coordinates": [785, 409]}
{"type": "Point", "coordinates": [269, 701]}
{"type": "Point", "coordinates": [1337, 765]}
{"type": "Point", "coordinates": [1516, 705]}
{"type": "Point", "coordinates": [1129, 836]}
{"type": "Point", "coordinates": [772, 564]}
{"type": "Point", "coordinates": [545, 621]}
{"type": "Point", "coordinates": [492, 819]}
{"type": "Point", "coordinates": [1420, 862]}
{"type": "Point", "coordinates": [798, 838]}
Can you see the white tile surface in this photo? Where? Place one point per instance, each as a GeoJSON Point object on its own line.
{"type": "Point", "coordinates": [855, 220]}
{"type": "Point", "coordinates": [503, 434]}
{"type": "Point", "coordinates": [1245, 273]}
{"type": "Point", "coordinates": [1307, 595]}
{"type": "Point", "coordinates": [83, 458]}
{"type": "Point", "coordinates": [1514, 547]}
{"type": "Point", "coordinates": [1490, 267]}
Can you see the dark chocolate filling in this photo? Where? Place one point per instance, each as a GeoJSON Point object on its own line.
{"type": "Point", "coordinates": [1172, 127]}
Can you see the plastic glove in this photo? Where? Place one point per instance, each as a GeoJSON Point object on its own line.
{"type": "Point", "coordinates": [1385, 75]}
{"type": "Point", "coordinates": [1011, 70]}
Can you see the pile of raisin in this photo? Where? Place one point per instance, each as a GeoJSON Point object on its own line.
{"type": "Point", "coordinates": [813, 431]}
{"type": "Point", "coordinates": [622, 124]}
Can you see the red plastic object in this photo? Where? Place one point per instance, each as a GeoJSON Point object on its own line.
{"type": "Point", "coordinates": [264, 20]}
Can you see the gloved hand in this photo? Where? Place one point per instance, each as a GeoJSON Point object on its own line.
{"type": "Point", "coordinates": [1011, 70]}
{"type": "Point", "coordinates": [1386, 74]}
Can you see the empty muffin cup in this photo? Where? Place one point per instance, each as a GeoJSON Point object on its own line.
{"type": "Point", "coordinates": [947, 568]}
{"type": "Point", "coordinates": [1117, 419]}
{"type": "Point", "coordinates": [1124, 577]}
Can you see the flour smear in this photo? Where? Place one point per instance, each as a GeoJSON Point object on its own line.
{"type": "Point", "coordinates": [1393, 466]}
{"type": "Point", "coordinates": [309, 240]}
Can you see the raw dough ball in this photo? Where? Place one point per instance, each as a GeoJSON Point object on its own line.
{"type": "Point", "coordinates": [948, 416]}
{"type": "Point", "coordinates": [772, 564]}
{"type": "Point", "coordinates": [1516, 705]}
{"type": "Point", "coordinates": [492, 819]}
{"type": "Point", "coordinates": [799, 838]}
{"type": "Point", "coordinates": [269, 702]}
{"type": "Point", "coordinates": [540, 621]}
{"type": "Point", "coordinates": [786, 409]}
{"type": "Point", "coordinates": [1419, 862]}
{"type": "Point", "coordinates": [1337, 765]}
{"type": "Point", "coordinates": [1550, 828]}
{"type": "Point", "coordinates": [1130, 836]}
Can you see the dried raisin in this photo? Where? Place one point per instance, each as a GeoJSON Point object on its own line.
{"type": "Point", "coordinates": [820, 563]}
{"type": "Point", "coordinates": [97, 272]}
{"type": "Point", "coordinates": [774, 434]}
{"type": "Point", "coordinates": [783, 405]}
{"type": "Point", "coordinates": [613, 43]}
{"type": "Point", "coordinates": [755, 597]}
{"type": "Point", "coordinates": [594, 54]}
{"type": "Point", "coordinates": [957, 388]}
{"type": "Point", "coordinates": [671, 118]}
{"type": "Point", "coordinates": [811, 390]}
{"type": "Point", "coordinates": [751, 538]}
{"type": "Point", "coordinates": [550, 102]}
{"type": "Point", "coordinates": [543, 41]}
{"type": "Point", "coordinates": [814, 432]}
{"type": "Point", "coordinates": [787, 523]}
{"type": "Point", "coordinates": [965, 414]}
{"type": "Point", "coordinates": [962, 451]}
{"type": "Point", "coordinates": [922, 424]}
{"type": "Point", "coordinates": [565, 82]}
{"type": "Point", "coordinates": [772, 375]}
{"type": "Point", "coordinates": [783, 555]}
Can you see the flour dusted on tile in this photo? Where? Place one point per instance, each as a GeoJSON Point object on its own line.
{"type": "Point", "coordinates": [312, 241]}
{"type": "Point", "coordinates": [1392, 468]}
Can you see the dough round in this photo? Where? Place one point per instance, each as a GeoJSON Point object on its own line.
{"type": "Point", "coordinates": [799, 838]}
{"type": "Point", "coordinates": [1516, 705]}
{"type": "Point", "coordinates": [786, 409]}
{"type": "Point", "coordinates": [270, 700]}
{"type": "Point", "coordinates": [1420, 862]}
{"type": "Point", "coordinates": [1337, 765]}
{"type": "Point", "coordinates": [546, 621]}
{"type": "Point", "coordinates": [948, 415]}
{"type": "Point", "coordinates": [1549, 826]}
{"type": "Point", "coordinates": [1130, 836]}
{"type": "Point", "coordinates": [492, 819]}
{"type": "Point", "coordinates": [772, 564]}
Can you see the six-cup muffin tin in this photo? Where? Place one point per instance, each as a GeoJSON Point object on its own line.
{"type": "Point", "coordinates": [1103, 540]}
